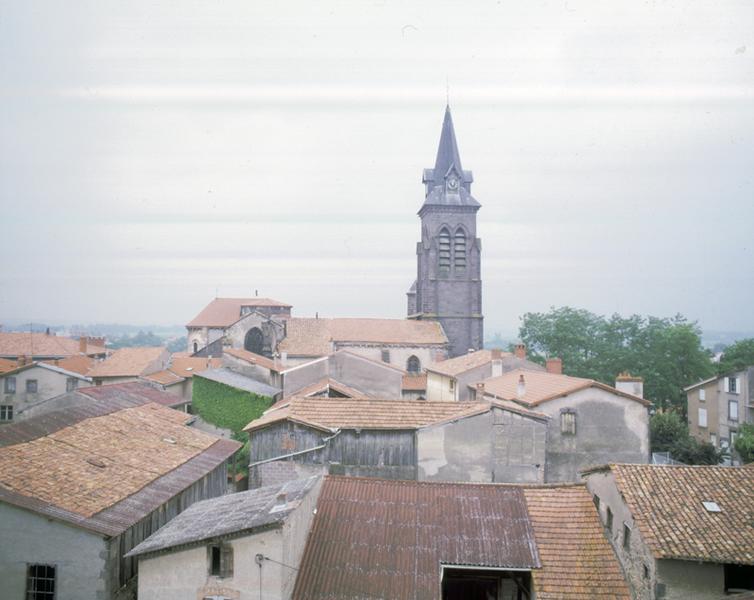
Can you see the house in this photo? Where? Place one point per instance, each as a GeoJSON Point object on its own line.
{"type": "Point", "coordinates": [128, 364]}
{"type": "Point", "coordinates": [590, 423]}
{"type": "Point", "coordinates": [679, 531]}
{"type": "Point", "coordinates": [83, 486]}
{"type": "Point", "coordinates": [48, 346]}
{"type": "Point", "coordinates": [374, 538]}
{"type": "Point", "coordinates": [219, 316]}
{"type": "Point", "coordinates": [177, 378]}
{"type": "Point", "coordinates": [449, 380]}
{"type": "Point", "coordinates": [235, 546]}
{"type": "Point", "coordinates": [397, 439]}
{"type": "Point", "coordinates": [717, 406]}
{"type": "Point", "coordinates": [31, 383]}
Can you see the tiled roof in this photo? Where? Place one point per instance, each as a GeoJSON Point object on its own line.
{"type": "Point", "coordinates": [325, 385]}
{"type": "Point", "coordinates": [239, 381]}
{"type": "Point", "coordinates": [7, 365]}
{"type": "Point", "coordinates": [81, 464]}
{"type": "Point", "coordinates": [465, 362]}
{"type": "Point", "coordinates": [541, 386]}
{"type": "Point", "coordinates": [127, 362]}
{"type": "Point", "coordinates": [577, 560]}
{"type": "Point", "coordinates": [187, 366]}
{"type": "Point", "coordinates": [367, 413]}
{"type": "Point", "coordinates": [414, 383]}
{"type": "Point", "coordinates": [13, 344]}
{"type": "Point", "coordinates": [318, 337]}
{"type": "Point", "coordinates": [164, 377]}
{"type": "Point", "coordinates": [666, 504]}
{"type": "Point", "coordinates": [131, 391]}
{"type": "Point", "coordinates": [229, 515]}
{"type": "Point", "coordinates": [78, 364]}
{"type": "Point", "coordinates": [374, 538]}
{"type": "Point", "coordinates": [253, 358]}
{"type": "Point", "coordinates": [223, 312]}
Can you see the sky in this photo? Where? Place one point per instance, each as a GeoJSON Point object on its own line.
{"type": "Point", "coordinates": [156, 154]}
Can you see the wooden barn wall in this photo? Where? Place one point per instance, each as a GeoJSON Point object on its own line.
{"type": "Point", "coordinates": [211, 485]}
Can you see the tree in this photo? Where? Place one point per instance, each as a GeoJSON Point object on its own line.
{"type": "Point", "coordinates": [745, 442]}
{"type": "Point", "coordinates": [668, 432]}
{"type": "Point", "coordinates": [667, 353]}
{"type": "Point", "coordinates": [737, 357]}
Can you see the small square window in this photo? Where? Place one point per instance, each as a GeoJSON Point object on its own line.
{"type": "Point", "coordinates": [702, 395]}
{"type": "Point", "coordinates": [220, 558]}
{"type": "Point", "coordinates": [9, 386]}
{"type": "Point", "coordinates": [40, 582]}
{"type": "Point", "coordinates": [386, 356]}
{"type": "Point", "coordinates": [568, 422]}
{"type": "Point", "coordinates": [6, 412]}
{"type": "Point", "coordinates": [31, 386]}
{"type": "Point", "coordinates": [733, 385]}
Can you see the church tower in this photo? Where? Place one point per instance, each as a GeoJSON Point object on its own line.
{"type": "Point", "coordinates": [448, 286]}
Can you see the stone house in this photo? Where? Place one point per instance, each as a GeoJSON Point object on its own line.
{"type": "Point", "coordinates": [374, 538]}
{"type": "Point", "coordinates": [717, 406]}
{"type": "Point", "coordinates": [397, 439]}
{"type": "Point", "coordinates": [178, 377]}
{"type": "Point", "coordinates": [29, 384]}
{"type": "Point", "coordinates": [679, 532]}
{"type": "Point", "coordinates": [240, 546]}
{"type": "Point", "coordinates": [590, 423]}
{"type": "Point", "coordinates": [129, 364]}
{"type": "Point", "coordinates": [83, 486]}
{"type": "Point", "coordinates": [449, 380]}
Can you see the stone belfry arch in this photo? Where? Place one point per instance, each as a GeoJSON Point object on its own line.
{"type": "Point", "coordinates": [448, 286]}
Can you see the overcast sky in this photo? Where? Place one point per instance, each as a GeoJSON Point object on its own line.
{"type": "Point", "coordinates": [155, 153]}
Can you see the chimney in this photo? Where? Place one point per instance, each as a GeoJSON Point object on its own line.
{"type": "Point", "coordinates": [521, 389]}
{"type": "Point", "coordinates": [21, 360]}
{"type": "Point", "coordinates": [520, 351]}
{"type": "Point", "coordinates": [479, 397]}
{"type": "Point", "coordinates": [82, 344]}
{"type": "Point", "coordinates": [496, 354]}
{"type": "Point", "coordinates": [497, 362]}
{"type": "Point", "coordinates": [554, 365]}
{"type": "Point", "coordinates": [629, 384]}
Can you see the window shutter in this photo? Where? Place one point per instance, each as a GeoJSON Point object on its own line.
{"type": "Point", "coordinates": [226, 561]}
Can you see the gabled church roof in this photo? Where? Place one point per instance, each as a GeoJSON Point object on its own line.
{"type": "Point", "coordinates": [448, 162]}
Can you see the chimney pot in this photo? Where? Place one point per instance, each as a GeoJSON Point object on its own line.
{"type": "Point", "coordinates": [554, 365]}
{"type": "Point", "coordinates": [82, 344]}
{"type": "Point", "coordinates": [521, 388]}
{"type": "Point", "coordinates": [520, 351]}
{"type": "Point", "coordinates": [479, 397]}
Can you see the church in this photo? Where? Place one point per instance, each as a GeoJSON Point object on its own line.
{"type": "Point", "coordinates": [444, 303]}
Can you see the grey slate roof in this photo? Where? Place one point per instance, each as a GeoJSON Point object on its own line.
{"type": "Point", "coordinates": [237, 380]}
{"type": "Point", "coordinates": [233, 514]}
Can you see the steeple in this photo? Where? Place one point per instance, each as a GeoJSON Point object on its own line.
{"type": "Point", "coordinates": [447, 151]}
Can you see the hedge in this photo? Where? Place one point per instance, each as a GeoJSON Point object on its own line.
{"type": "Point", "coordinates": [225, 406]}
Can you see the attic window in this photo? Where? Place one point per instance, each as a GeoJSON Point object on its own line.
{"type": "Point", "coordinates": [712, 507]}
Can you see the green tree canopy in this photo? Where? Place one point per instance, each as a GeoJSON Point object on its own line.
{"type": "Point", "coordinates": [737, 356]}
{"type": "Point", "coordinates": [666, 352]}
{"type": "Point", "coordinates": [745, 442]}
{"type": "Point", "coordinates": [668, 432]}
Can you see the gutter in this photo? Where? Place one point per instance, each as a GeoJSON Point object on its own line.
{"type": "Point", "coordinates": [299, 452]}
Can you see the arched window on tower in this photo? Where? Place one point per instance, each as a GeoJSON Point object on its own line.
{"type": "Point", "coordinates": [254, 341]}
{"type": "Point", "coordinates": [196, 347]}
{"type": "Point", "coordinates": [413, 365]}
{"type": "Point", "coordinates": [444, 250]}
{"type": "Point", "coordinates": [459, 250]}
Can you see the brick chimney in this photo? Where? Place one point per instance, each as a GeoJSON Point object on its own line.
{"type": "Point", "coordinates": [629, 384]}
{"type": "Point", "coordinates": [521, 388]}
{"type": "Point", "coordinates": [520, 351]}
{"type": "Point", "coordinates": [554, 365]}
{"type": "Point", "coordinates": [479, 392]}
{"type": "Point", "coordinates": [82, 344]}
{"type": "Point", "coordinates": [21, 361]}
{"type": "Point", "coordinates": [497, 362]}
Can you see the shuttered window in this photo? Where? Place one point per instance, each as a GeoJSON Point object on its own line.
{"type": "Point", "coordinates": [459, 250]}
{"type": "Point", "coordinates": [444, 251]}
{"type": "Point", "coordinates": [220, 558]}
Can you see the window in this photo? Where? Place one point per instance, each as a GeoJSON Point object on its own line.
{"type": "Point", "coordinates": [568, 422]}
{"type": "Point", "coordinates": [702, 395]}
{"type": "Point", "coordinates": [254, 340]}
{"type": "Point", "coordinates": [733, 410]}
{"type": "Point", "coordinates": [386, 356]}
{"type": "Point", "coordinates": [196, 347]}
{"type": "Point", "coordinates": [626, 536]}
{"type": "Point", "coordinates": [702, 417]}
{"type": "Point", "coordinates": [220, 558]}
{"type": "Point", "coordinates": [733, 436]}
{"type": "Point", "coordinates": [6, 412]}
{"type": "Point", "coordinates": [444, 257]}
{"type": "Point", "coordinates": [596, 500]}
{"type": "Point", "coordinates": [31, 386]}
{"type": "Point", "coordinates": [71, 384]}
{"type": "Point", "coordinates": [10, 385]}
{"type": "Point", "coordinates": [414, 365]}
{"type": "Point", "coordinates": [609, 519]}
{"type": "Point", "coordinates": [459, 250]}
{"type": "Point", "coordinates": [40, 582]}
{"type": "Point", "coordinates": [452, 384]}
{"type": "Point", "coordinates": [646, 572]}
{"type": "Point", "coordinates": [713, 439]}
{"type": "Point", "coordinates": [732, 386]}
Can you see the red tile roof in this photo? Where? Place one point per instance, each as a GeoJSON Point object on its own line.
{"type": "Point", "coordinates": [373, 538]}
{"type": "Point", "coordinates": [78, 364]}
{"type": "Point", "coordinates": [15, 344]}
{"type": "Point", "coordinates": [127, 362]}
{"type": "Point", "coordinates": [187, 366]}
{"type": "Point", "coordinates": [414, 383]}
{"type": "Point", "coordinates": [466, 362]}
{"type": "Point", "coordinates": [7, 365]}
{"type": "Point", "coordinates": [254, 359]}
{"type": "Point", "coordinates": [223, 312]}
{"type": "Point", "coordinates": [325, 385]}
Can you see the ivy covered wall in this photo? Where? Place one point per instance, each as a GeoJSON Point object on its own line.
{"type": "Point", "coordinates": [225, 406]}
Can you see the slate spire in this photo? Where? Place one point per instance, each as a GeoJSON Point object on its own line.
{"type": "Point", "coordinates": [447, 151]}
